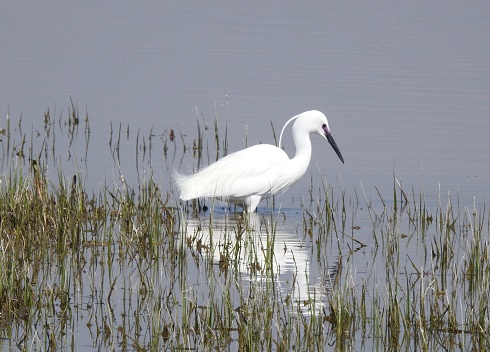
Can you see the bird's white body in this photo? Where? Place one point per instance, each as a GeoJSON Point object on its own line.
{"type": "Point", "coordinates": [247, 176]}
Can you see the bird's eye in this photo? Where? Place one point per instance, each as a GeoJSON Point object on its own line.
{"type": "Point", "coordinates": [324, 125]}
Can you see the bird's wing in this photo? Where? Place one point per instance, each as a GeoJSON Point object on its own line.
{"type": "Point", "coordinates": [255, 170]}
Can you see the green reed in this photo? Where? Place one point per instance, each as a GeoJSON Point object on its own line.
{"type": "Point", "coordinates": [128, 267]}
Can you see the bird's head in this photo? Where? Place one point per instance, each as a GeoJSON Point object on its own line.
{"type": "Point", "coordinates": [313, 121]}
{"type": "Point", "coordinates": [320, 126]}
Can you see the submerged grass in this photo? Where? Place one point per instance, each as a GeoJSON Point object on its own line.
{"type": "Point", "coordinates": [123, 267]}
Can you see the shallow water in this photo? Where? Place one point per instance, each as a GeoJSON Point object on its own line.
{"type": "Point", "coordinates": [406, 88]}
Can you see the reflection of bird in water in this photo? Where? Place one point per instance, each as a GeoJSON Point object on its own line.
{"type": "Point", "coordinates": [247, 176]}
{"type": "Point", "coordinates": [262, 253]}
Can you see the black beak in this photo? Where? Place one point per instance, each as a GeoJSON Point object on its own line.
{"type": "Point", "coordinates": [333, 144]}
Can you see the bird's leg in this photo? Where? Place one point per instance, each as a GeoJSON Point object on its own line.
{"type": "Point", "coordinates": [251, 203]}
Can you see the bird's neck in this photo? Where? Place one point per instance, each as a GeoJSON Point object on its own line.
{"type": "Point", "coordinates": [302, 157]}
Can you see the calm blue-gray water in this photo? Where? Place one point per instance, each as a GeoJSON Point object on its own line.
{"type": "Point", "coordinates": [405, 85]}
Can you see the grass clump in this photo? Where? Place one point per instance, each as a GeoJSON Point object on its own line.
{"type": "Point", "coordinates": [39, 226]}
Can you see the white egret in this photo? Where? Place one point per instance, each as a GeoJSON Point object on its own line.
{"type": "Point", "coordinates": [247, 176]}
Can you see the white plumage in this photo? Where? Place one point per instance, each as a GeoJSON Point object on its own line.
{"type": "Point", "coordinates": [247, 176]}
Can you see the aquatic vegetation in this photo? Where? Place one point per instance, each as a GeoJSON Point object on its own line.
{"type": "Point", "coordinates": [122, 265]}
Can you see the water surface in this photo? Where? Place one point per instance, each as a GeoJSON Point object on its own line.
{"type": "Point", "coordinates": [406, 88]}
